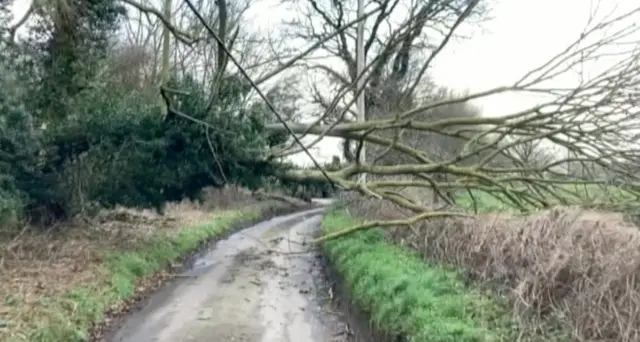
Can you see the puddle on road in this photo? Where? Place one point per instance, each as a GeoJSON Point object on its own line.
{"type": "Point", "coordinates": [283, 308]}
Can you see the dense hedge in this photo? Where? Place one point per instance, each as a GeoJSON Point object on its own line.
{"type": "Point", "coordinates": [117, 148]}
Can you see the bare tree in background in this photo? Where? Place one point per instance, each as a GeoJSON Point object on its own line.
{"type": "Point", "coordinates": [194, 52]}
{"type": "Point", "coordinates": [397, 53]}
{"type": "Point", "coordinates": [532, 154]}
{"type": "Point", "coordinates": [190, 50]}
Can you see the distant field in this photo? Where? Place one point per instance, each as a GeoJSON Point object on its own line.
{"type": "Point", "coordinates": [569, 194]}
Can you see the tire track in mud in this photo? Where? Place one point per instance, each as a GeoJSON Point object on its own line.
{"type": "Point", "coordinates": [263, 284]}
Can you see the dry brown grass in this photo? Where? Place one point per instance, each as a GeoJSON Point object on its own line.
{"type": "Point", "coordinates": [36, 263]}
{"type": "Point", "coordinates": [578, 268]}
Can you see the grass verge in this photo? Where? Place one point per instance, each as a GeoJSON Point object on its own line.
{"type": "Point", "coordinates": [409, 298]}
{"type": "Point", "coordinates": [121, 274]}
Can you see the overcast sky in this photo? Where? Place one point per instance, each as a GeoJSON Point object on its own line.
{"type": "Point", "coordinates": [520, 36]}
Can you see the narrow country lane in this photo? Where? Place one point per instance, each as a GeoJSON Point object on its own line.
{"type": "Point", "coordinates": [262, 284]}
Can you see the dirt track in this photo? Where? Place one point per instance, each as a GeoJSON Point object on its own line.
{"type": "Point", "coordinates": [261, 284]}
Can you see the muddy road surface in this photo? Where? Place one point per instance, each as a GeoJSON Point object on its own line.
{"type": "Point", "coordinates": [262, 284]}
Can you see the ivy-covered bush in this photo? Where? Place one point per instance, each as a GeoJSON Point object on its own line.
{"type": "Point", "coordinates": [116, 147]}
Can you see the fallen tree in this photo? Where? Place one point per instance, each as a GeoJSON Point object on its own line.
{"type": "Point", "coordinates": [593, 121]}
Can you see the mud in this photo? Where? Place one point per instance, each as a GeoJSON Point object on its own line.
{"type": "Point", "coordinates": [358, 323]}
{"type": "Point", "coordinates": [262, 284]}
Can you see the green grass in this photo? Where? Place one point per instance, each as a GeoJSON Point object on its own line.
{"type": "Point", "coordinates": [403, 294]}
{"type": "Point", "coordinates": [69, 316]}
{"type": "Point", "coordinates": [573, 194]}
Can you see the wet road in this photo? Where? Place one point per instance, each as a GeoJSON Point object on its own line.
{"type": "Point", "coordinates": [262, 284]}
